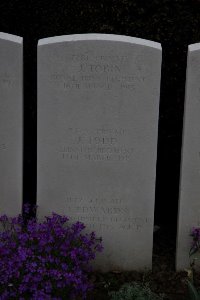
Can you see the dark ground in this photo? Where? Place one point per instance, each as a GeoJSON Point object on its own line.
{"type": "Point", "coordinates": [163, 279]}
{"type": "Point", "coordinates": [173, 23]}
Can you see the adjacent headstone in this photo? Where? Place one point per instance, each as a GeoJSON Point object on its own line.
{"type": "Point", "coordinates": [98, 106]}
{"type": "Point", "coordinates": [189, 202]}
{"type": "Point", "coordinates": [11, 112]}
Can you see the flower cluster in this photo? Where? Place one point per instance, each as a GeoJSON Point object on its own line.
{"type": "Point", "coordinates": [48, 260]}
{"type": "Point", "coordinates": [195, 233]}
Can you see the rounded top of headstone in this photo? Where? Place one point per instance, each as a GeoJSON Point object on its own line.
{"type": "Point", "coordinates": [194, 47]}
{"type": "Point", "coordinates": [11, 37]}
{"type": "Point", "coordinates": [98, 37]}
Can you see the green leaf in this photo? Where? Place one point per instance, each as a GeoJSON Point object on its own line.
{"type": "Point", "coordinates": [193, 250]}
{"type": "Point", "coordinates": [194, 295]}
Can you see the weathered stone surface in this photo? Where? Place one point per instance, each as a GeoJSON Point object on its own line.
{"type": "Point", "coordinates": [11, 112]}
{"type": "Point", "coordinates": [98, 105]}
{"type": "Point", "coordinates": [189, 198]}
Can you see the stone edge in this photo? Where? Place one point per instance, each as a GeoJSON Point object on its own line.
{"type": "Point", "coordinates": [98, 37]}
{"type": "Point", "coordinates": [11, 38]}
{"type": "Point", "coordinates": [194, 47]}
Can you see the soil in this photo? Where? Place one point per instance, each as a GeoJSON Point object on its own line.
{"type": "Point", "coordinates": [163, 279]}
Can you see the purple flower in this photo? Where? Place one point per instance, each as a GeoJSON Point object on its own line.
{"type": "Point", "coordinates": [3, 218]}
{"type": "Point", "coordinates": [48, 260]}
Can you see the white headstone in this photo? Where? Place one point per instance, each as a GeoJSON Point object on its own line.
{"type": "Point", "coordinates": [98, 105]}
{"type": "Point", "coordinates": [11, 112]}
{"type": "Point", "coordinates": [189, 198]}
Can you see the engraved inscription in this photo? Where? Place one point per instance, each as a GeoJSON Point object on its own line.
{"type": "Point", "coordinates": [6, 80]}
{"type": "Point", "coordinates": [104, 213]}
{"type": "Point", "coordinates": [96, 72]}
{"type": "Point", "coordinates": [106, 58]}
{"type": "Point", "coordinates": [86, 82]}
{"type": "Point", "coordinates": [101, 144]}
{"type": "Point", "coordinates": [2, 147]}
{"type": "Point", "coordinates": [99, 68]}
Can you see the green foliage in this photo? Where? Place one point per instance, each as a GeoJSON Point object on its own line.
{"type": "Point", "coordinates": [193, 293]}
{"type": "Point", "coordinates": [134, 291]}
